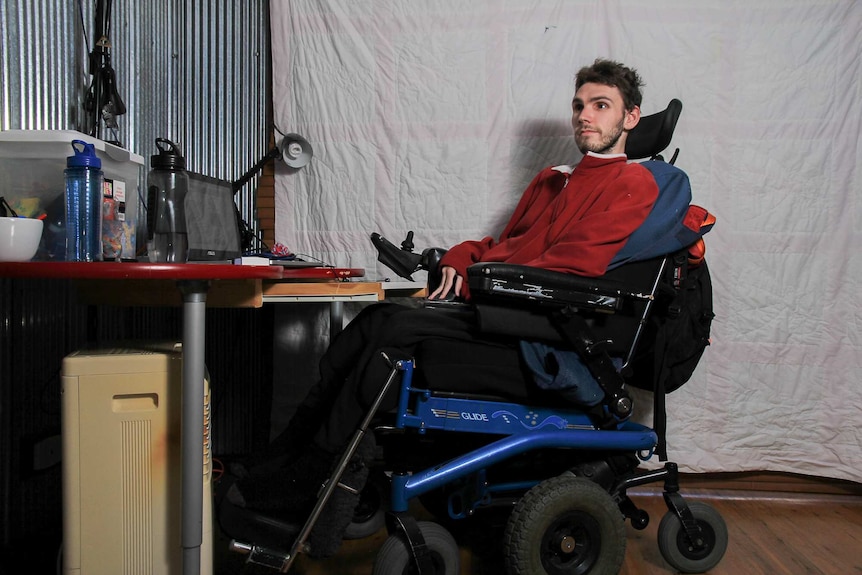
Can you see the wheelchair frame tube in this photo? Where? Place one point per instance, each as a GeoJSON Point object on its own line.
{"type": "Point", "coordinates": [335, 480]}
{"type": "Point", "coordinates": [633, 437]}
{"type": "Point", "coordinates": [647, 308]}
{"type": "Point", "coordinates": [629, 436]}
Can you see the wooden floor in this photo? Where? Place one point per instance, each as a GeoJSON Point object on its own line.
{"type": "Point", "coordinates": [770, 533]}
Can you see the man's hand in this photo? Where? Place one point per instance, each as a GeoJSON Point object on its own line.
{"type": "Point", "coordinates": [449, 278]}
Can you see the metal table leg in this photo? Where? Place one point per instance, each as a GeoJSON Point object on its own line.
{"type": "Point", "coordinates": [336, 318]}
{"type": "Point", "coordinates": [194, 343]}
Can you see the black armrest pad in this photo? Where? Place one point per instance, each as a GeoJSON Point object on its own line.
{"type": "Point", "coordinates": [519, 282]}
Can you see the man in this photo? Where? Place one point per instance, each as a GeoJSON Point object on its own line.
{"type": "Point", "coordinates": [569, 219]}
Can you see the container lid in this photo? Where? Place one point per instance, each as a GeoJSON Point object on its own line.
{"type": "Point", "coordinates": [85, 156]}
{"type": "Point", "coordinates": [54, 144]}
{"type": "Point", "coordinates": [169, 157]}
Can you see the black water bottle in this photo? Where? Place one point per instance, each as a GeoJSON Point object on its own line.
{"type": "Point", "coordinates": [167, 186]}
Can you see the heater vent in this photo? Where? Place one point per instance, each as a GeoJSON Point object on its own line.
{"type": "Point", "coordinates": [137, 497]}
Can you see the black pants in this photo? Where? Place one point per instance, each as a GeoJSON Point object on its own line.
{"type": "Point", "coordinates": [352, 370]}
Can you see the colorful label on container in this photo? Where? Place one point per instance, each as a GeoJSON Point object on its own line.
{"type": "Point", "coordinates": [117, 234]}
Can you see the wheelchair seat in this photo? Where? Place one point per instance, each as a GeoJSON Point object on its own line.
{"type": "Point", "coordinates": [602, 318]}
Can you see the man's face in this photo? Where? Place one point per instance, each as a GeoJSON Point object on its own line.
{"type": "Point", "coordinates": [600, 120]}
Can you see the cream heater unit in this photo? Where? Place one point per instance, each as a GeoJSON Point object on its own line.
{"type": "Point", "coordinates": [121, 412]}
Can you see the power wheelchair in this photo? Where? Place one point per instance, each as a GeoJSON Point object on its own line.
{"type": "Point", "coordinates": [561, 471]}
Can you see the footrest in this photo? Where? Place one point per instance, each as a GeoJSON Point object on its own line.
{"type": "Point", "coordinates": [266, 529]}
{"type": "Point", "coordinates": [262, 555]}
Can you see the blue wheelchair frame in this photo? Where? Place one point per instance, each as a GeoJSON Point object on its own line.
{"type": "Point", "coordinates": [523, 428]}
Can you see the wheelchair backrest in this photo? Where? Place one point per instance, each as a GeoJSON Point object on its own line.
{"type": "Point", "coordinates": [653, 134]}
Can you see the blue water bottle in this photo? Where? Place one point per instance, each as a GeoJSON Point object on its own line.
{"type": "Point", "coordinates": [84, 183]}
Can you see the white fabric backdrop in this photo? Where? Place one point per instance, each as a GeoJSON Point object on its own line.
{"type": "Point", "coordinates": [432, 116]}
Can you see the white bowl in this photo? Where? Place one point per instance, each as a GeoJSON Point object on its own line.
{"type": "Point", "coordinates": [19, 239]}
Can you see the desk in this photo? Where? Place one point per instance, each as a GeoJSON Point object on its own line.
{"type": "Point", "coordinates": [193, 281]}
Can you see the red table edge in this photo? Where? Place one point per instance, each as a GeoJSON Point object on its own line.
{"type": "Point", "coordinates": [167, 271]}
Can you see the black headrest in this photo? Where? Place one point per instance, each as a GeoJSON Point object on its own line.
{"type": "Point", "coordinates": [653, 133]}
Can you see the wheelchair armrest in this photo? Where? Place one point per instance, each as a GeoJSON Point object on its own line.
{"type": "Point", "coordinates": [521, 301]}
{"type": "Point", "coordinates": [500, 282]}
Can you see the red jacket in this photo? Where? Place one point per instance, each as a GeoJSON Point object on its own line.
{"type": "Point", "coordinates": [568, 220]}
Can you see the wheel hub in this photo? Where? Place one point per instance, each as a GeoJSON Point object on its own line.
{"type": "Point", "coordinates": [571, 544]}
{"type": "Point", "coordinates": [699, 547]}
{"type": "Point", "coordinates": [567, 544]}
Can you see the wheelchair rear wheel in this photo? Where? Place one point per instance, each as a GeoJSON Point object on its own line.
{"type": "Point", "coordinates": [676, 547]}
{"type": "Point", "coordinates": [565, 525]}
{"type": "Point", "coordinates": [394, 557]}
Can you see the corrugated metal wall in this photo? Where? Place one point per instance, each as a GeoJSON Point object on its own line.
{"type": "Point", "coordinates": [193, 71]}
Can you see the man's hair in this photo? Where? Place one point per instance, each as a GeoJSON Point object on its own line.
{"type": "Point", "coordinates": [614, 74]}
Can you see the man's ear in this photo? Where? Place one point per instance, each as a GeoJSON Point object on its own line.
{"type": "Point", "coordinates": [632, 117]}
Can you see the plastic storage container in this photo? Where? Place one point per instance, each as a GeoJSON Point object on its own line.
{"type": "Point", "coordinates": [32, 163]}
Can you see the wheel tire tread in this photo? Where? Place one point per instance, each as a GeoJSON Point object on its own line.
{"type": "Point", "coordinates": [393, 556]}
{"type": "Point", "coordinates": [669, 528]}
{"type": "Point", "coordinates": [533, 506]}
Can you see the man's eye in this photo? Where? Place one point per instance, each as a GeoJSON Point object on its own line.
{"type": "Point", "coordinates": [601, 105]}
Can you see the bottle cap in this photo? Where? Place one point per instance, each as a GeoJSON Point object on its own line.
{"type": "Point", "coordinates": [85, 156]}
{"type": "Point", "coordinates": [168, 158]}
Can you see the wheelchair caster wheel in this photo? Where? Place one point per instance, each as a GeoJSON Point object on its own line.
{"type": "Point", "coordinates": [693, 557]}
{"type": "Point", "coordinates": [565, 525]}
{"type": "Point", "coordinates": [640, 520]}
{"type": "Point", "coordinates": [395, 558]}
{"type": "Point", "coordinates": [370, 515]}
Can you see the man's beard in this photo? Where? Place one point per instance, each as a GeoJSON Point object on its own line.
{"type": "Point", "coordinates": [606, 143]}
